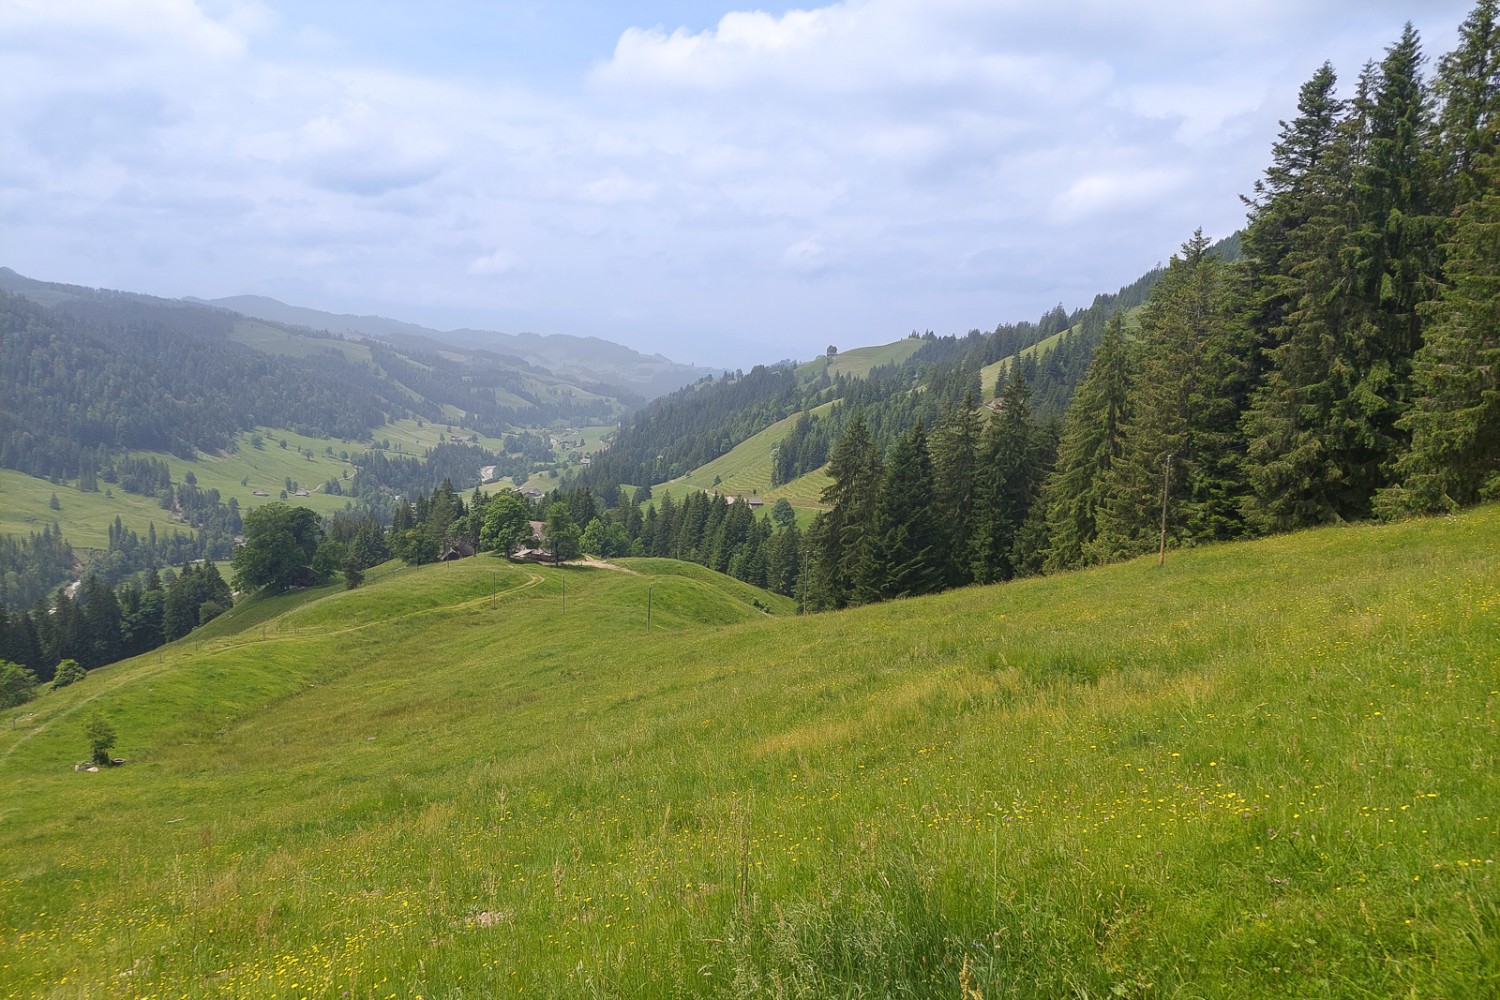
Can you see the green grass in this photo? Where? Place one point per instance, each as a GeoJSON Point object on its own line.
{"type": "Point", "coordinates": [85, 518]}
{"type": "Point", "coordinates": [860, 361]}
{"type": "Point", "coordinates": [1267, 770]}
{"type": "Point", "coordinates": [745, 470]}
{"type": "Point", "coordinates": [274, 340]}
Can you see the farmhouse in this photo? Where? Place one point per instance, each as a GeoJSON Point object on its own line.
{"type": "Point", "coordinates": [538, 552]}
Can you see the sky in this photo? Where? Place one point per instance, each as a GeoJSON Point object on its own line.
{"type": "Point", "coordinates": [723, 184]}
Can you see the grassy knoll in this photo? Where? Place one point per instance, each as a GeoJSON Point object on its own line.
{"type": "Point", "coordinates": [860, 361]}
{"type": "Point", "coordinates": [1266, 770]}
{"type": "Point", "coordinates": [84, 518]}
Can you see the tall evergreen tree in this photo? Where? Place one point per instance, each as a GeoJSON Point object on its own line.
{"type": "Point", "coordinates": [902, 555]}
{"type": "Point", "coordinates": [1310, 458]}
{"type": "Point", "coordinates": [955, 471]}
{"type": "Point", "coordinates": [1321, 429]}
{"type": "Point", "coordinates": [855, 468]}
{"type": "Point", "coordinates": [1395, 247]}
{"type": "Point", "coordinates": [1467, 84]}
{"type": "Point", "coordinates": [1193, 363]}
{"type": "Point", "coordinates": [1281, 204]}
{"type": "Point", "coordinates": [1090, 446]}
{"type": "Point", "coordinates": [1009, 477]}
{"type": "Point", "coordinates": [1454, 458]}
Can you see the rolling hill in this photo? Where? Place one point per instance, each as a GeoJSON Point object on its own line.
{"type": "Point", "coordinates": [588, 360]}
{"type": "Point", "coordinates": [1268, 769]}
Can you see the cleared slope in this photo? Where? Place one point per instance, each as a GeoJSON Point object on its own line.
{"type": "Point", "coordinates": [746, 469]}
{"type": "Point", "coordinates": [860, 361]}
{"type": "Point", "coordinates": [84, 518]}
{"type": "Point", "coordinates": [1266, 770]}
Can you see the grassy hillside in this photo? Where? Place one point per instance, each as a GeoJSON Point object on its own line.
{"type": "Point", "coordinates": [1266, 770]}
{"type": "Point", "coordinates": [860, 361]}
{"type": "Point", "coordinates": [279, 340]}
{"type": "Point", "coordinates": [746, 469]}
{"type": "Point", "coordinates": [84, 518]}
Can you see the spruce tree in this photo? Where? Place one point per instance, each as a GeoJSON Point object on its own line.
{"type": "Point", "coordinates": [1467, 84]}
{"type": "Point", "coordinates": [1090, 445]}
{"type": "Point", "coordinates": [855, 468]}
{"type": "Point", "coordinates": [1193, 364]}
{"type": "Point", "coordinates": [1281, 202]}
{"type": "Point", "coordinates": [1009, 477]}
{"type": "Point", "coordinates": [1395, 247]}
{"type": "Point", "coordinates": [1322, 428]}
{"type": "Point", "coordinates": [903, 555]}
{"type": "Point", "coordinates": [1309, 458]}
{"type": "Point", "coordinates": [1454, 421]}
{"type": "Point", "coordinates": [955, 471]}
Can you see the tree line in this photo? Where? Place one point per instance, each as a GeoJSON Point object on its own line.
{"type": "Point", "coordinates": [98, 624]}
{"type": "Point", "coordinates": [1338, 360]}
{"type": "Point", "coordinates": [1347, 366]}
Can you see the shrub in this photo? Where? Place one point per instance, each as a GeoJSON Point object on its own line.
{"type": "Point", "coordinates": [101, 736]}
{"type": "Point", "coordinates": [17, 684]}
{"type": "Point", "coordinates": [68, 672]}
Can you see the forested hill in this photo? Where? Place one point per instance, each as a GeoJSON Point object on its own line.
{"type": "Point", "coordinates": [693, 426]}
{"type": "Point", "coordinates": [1345, 365]}
{"type": "Point", "coordinates": [85, 374]}
{"type": "Point", "coordinates": [586, 360]}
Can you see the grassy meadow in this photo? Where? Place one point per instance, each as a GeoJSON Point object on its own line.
{"type": "Point", "coordinates": [1265, 770]}
{"type": "Point", "coordinates": [860, 361]}
{"type": "Point", "coordinates": [84, 518]}
{"type": "Point", "coordinates": [745, 470]}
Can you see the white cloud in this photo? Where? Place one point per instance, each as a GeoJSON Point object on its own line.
{"type": "Point", "coordinates": [806, 257]}
{"type": "Point", "coordinates": [496, 264]}
{"type": "Point", "coordinates": [1120, 192]}
{"type": "Point", "coordinates": [939, 164]}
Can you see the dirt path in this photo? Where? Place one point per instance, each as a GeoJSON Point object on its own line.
{"type": "Point", "coordinates": [601, 564]}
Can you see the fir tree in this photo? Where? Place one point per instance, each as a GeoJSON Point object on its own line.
{"type": "Point", "coordinates": [1193, 365]}
{"type": "Point", "coordinates": [903, 555]}
{"type": "Point", "coordinates": [1454, 458]}
{"type": "Point", "coordinates": [1009, 478]}
{"type": "Point", "coordinates": [1090, 446]}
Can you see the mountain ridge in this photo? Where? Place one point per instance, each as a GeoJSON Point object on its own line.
{"type": "Point", "coordinates": [650, 375]}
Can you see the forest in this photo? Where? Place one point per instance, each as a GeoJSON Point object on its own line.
{"type": "Point", "coordinates": [1336, 361]}
{"type": "Point", "coordinates": [1343, 364]}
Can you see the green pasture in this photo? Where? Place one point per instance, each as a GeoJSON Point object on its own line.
{"type": "Point", "coordinates": [745, 470]}
{"type": "Point", "coordinates": [860, 361]}
{"type": "Point", "coordinates": [84, 518]}
{"type": "Point", "coordinates": [1265, 770]}
{"type": "Point", "coordinates": [274, 340]}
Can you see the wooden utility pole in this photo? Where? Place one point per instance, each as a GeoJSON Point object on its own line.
{"type": "Point", "coordinates": [1166, 489]}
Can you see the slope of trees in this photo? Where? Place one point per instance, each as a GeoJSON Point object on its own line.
{"type": "Point", "coordinates": [1337, 360]}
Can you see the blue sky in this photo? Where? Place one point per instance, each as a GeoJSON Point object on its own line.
{"type": "Point", "coordinates": [722, 184]}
